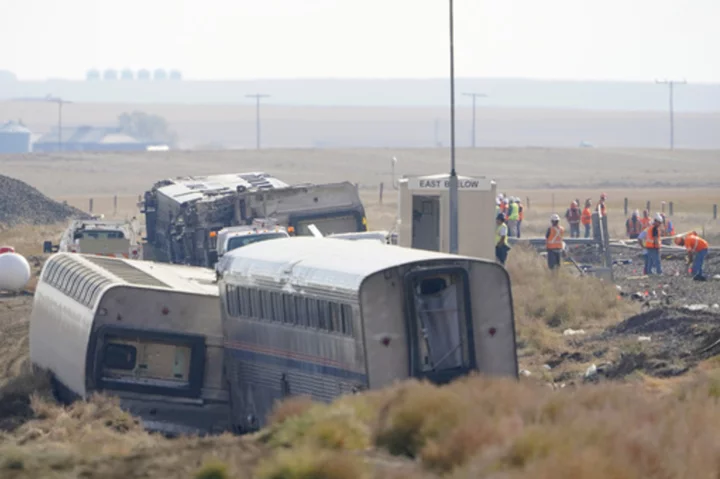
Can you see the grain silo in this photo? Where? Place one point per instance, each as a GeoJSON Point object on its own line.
{"type": "Point", "coordinates": [14, 138]}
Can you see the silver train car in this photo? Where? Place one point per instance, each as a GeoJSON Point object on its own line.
{"type": "Point", "coordinates": [325, 317]}
{"type": "Point", "coordinates": [148, 333]}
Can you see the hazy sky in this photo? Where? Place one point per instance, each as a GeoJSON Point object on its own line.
{"type": "Point", "coordinates": [244, 39]}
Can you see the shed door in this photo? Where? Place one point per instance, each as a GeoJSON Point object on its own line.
{"type": "Point", "coordinates": [426, 223]}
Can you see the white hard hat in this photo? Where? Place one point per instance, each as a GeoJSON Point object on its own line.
{"type": "Point", "coordinates": [658, 217]}
{"type": "Point", "coordinates": [555, 217]}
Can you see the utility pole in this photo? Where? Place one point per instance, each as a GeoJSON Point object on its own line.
{"type": "Point", "coordinates": [453, 174]}
{"type": "Point", "coordinates": [257, 97]}
{"type": "Point", "coordinates": [671, 93]}
{"type": "Point", "coordinates": [53, 99]}
{"type": "Point", "coordinates": [474, 96]}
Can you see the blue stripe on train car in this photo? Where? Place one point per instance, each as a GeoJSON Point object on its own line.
{"type": "Point", "coordinates": [305, 366]}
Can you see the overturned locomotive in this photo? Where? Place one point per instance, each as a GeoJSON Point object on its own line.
{"type": "Point", "coordinates": [183, 215]}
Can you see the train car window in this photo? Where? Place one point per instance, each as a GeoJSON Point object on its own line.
{"type": "Point", "coordinates": [62, 266]}
{"type": "Point", "coordinates": [290, 309]}
{"type": "Point", "coordinates": [347, 320]}
{"type": "Point", "coordinates": [312, 312]}
{"type": "Point", "coordinates": [245, 304]}
{"type": "Point", "coordinates": [63, 273]}
{"type": "Point", "coordinates": [76, 284]}
{"type": "Point", "coordinates": [249, 303]}
{"type": "Point", "coordinates": [240, 300]}
{"type": "Point", "coordinates": [230, 300]}
{"type": "Point", "coordinates": [50, 270]}
{"type": "Point", "coordinates": [267, 306]}
{"type": "Point", "coordinates": [335, 318]}
{"type": "Point", "coordinates": [83, 292]}
{"type": "Point", "coordinates": [120, 356]}
{"type": "Point", "coordinates": [301, 309]}
{"type": "Point", "coordinates": [255, 300]}
{"type": "Point", "coordinates": [69, 278]}
{"type": "Point", "coordinates": [278, 307]}
{"type": "Point", "coordinates": [94, 290]}
{"type": "Point", "coordinates": [323, 315]}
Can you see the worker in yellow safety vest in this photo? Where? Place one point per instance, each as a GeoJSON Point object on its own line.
{"type": "Point", "coordinates": [554, 242]}
{"type": "Point", "coordinates": [501, 243]}
{"type": "Point", "coordinates": [513, 215]}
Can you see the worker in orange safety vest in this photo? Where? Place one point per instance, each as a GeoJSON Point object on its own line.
{"type": "Point", "coordinates": [586, 217]}
{"type": "Point", "coordinates": [554, 242]}
{"type": "Point", "coordinates": [601, 204]}
{"type": "Point", "coordinates": [633, 225]}
{"type": "Point", "coordinates": [697, 249]}
{"type": "Point", "coordinates": [668, 227]}
{"type": "Point", "coordinates": [645, 220]}
{"type": "Point", "coordinates": [521, 214]}
{"type": "Point", "coordinates": [650, 240]}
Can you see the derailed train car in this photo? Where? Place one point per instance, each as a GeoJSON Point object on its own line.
{"type": "Point", "coordinates": [184, 215]}
{"type": "Point", "coordinates": [325, 317]}
{"type": "Point", "coordinates": [148, 333]}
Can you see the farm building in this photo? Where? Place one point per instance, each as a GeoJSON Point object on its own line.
{"type": "Point", "coordinates": [14, 138]}
{"type": "Point", "coordinates": [90, 138]}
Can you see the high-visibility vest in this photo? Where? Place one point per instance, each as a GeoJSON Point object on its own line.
{"type": "Point", "coordinates": [633, 227]}
{"type": "Point", "coordinates": [555, 237]}
{"type": "Point", "coordinates": [694, 243]}
{"type": "Point", "coordinates": [645, 222]}
{"type": "Point", "coordinates": [521, 212]}
{"type": "Point", "coordinates": [669, 228]}
{"type": "Point", "coordinates": [513, 212]}
{"type": "Point", "coordinates": [603, 210]}
{"type": "Point", "coordinates": [500, 232]}
{"type": "Point", "coordinates": [652, 242]}
{"type": "Point", "coordinates": [586, 217]}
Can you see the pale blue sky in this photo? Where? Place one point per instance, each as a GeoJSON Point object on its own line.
{"type": "Point", "coordinates": [245, 39]}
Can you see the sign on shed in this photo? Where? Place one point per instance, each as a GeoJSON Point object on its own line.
{"type": "Point", "coordinates": [424, 214]}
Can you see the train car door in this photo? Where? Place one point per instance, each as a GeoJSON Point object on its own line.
{"type": "Point", "coordinates": [438, 312]}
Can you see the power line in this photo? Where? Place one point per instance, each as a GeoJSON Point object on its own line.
{"type": "Point", "coordinates": [474, 96]}
{"type": "Point", "coordinates": [257, 97]}
{"type": "Point", "coordinates": [671, 93]}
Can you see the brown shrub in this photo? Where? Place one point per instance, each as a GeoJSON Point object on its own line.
{"type": "Point", "coordinates": [291, 407]}
{"type": "Point", "coordinates": [311, 463]}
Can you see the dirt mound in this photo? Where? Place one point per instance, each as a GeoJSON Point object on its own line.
{"type": "Point", "coordinates": [675, 340]}
{"type": "Point", "coordinates": [20, 203]}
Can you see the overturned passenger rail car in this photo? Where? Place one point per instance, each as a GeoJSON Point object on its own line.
{"type": "Point", "coordinates": [325, 317]}
{"type": "Point", "coordinates": [148, 333]}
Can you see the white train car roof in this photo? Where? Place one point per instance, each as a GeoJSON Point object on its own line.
{"type": "Point", "coordinates": [333, 262]}
{"type": "Point", "coordinates": [186, 279]}
{"type": "Point", "coordinates": [192, 188]}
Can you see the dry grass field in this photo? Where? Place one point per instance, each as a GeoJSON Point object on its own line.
{"type": "Point", "coordinates": [550, 424]}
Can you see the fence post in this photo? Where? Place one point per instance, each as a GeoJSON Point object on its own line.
{"type": "Point", "coordinates": [647, 205]}
{"type": "Point", "coordinates": [382, 186]}
{"type": "Point", "coordinates": [626, 206]}
{"type": "Point", "coordinates": [115, 205]}
{"type": "Point", "coordinates": [715, 211]}
{"type": "Point", "coordinates": [527, 204]}
{"type": "Point", "coordinates": [90, 206]}
{"type": "Point", "coordinates": [670, 208]}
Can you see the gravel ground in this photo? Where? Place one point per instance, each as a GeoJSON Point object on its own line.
{"type": "Point", "coordinates": [20, 203]}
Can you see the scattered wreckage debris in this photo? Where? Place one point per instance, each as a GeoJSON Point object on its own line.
{"type": "Point", "coordinates": [674, 340]}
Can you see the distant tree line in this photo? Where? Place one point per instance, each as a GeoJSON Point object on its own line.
{"type": "Point", "coordinates": [144, 126]}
